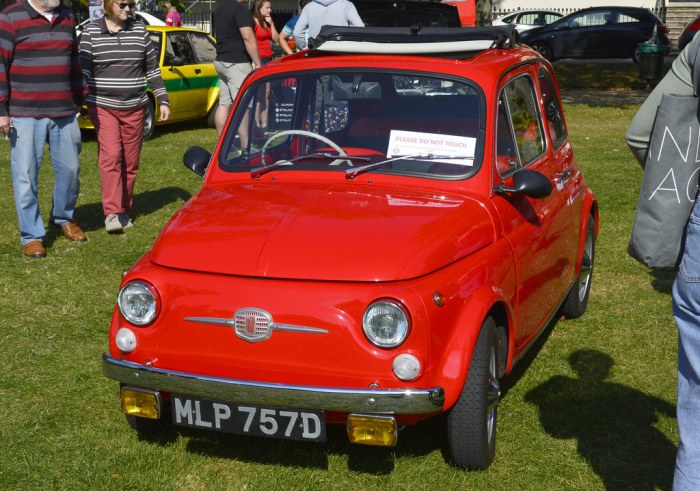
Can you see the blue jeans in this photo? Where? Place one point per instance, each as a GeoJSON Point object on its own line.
{"type": "Point", "coordinates": [27, 142]}
{"type": "Point", "coordinates": [686, 310]}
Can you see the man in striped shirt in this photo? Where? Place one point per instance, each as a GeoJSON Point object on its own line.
{"type": "Point", "coordinates": [41, 90]}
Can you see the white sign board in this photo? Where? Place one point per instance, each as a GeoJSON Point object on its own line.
{"type": "Point", "coordinates": [412, 144]}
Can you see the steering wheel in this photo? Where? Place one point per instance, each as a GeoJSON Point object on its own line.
{"type": "Point", "coordinates": [315, 136]}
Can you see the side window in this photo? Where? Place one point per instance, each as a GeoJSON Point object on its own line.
{"type": "Point", "coordinates": [506, 153]}
{"type": "Point", "coordinates": [204, 48]}
{"type": "Point", "coordinates": [157, 45]}
{"type": "Point", "coordinates": [179, 46]}
{"type": "Point", "coordinates": [553, 113]}
{"type": "Point", "coordinates": [524, 118]}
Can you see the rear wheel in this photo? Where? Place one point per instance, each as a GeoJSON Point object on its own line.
{"type": "Point", "coordinates": [471, 423]}
{"type": "Point", "coordinates": [543, 50]}
{"type": "Point", "coordinates": [577, 300]}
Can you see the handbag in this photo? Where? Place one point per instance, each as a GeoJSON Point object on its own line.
{"type": "Point", "coordinates": [670, 181]}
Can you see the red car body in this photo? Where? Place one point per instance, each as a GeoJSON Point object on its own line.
{"type": "Point", "coordinates": [313, 249]}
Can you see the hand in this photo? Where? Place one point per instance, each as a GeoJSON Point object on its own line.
{"type": "Point", "coordinates": [164, 112]}
{"type": "Point", "coordinates": [5, 124]}
{"type": "Point", "coordinates": [268, 19]}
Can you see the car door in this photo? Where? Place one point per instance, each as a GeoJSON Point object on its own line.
{"type": "Point", "coordinates": [187, 79]}
{"type": "Point", "coordinates": [584, 35]}
{"type": "Point", "coordinates": [539, 230]}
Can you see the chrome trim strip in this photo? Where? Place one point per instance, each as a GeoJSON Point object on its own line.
{"type": "Point", "coordinates": [392, 401]}
{"type": "Point", "coordinates": [218, 321]}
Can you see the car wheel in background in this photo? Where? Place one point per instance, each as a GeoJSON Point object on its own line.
{"type": "Point", "coordinates": [149, 125]}
{"type": "Point", "coordinates": [577, 299]}
{"type": "Point", "coordinates": [543, 50]}
{"type": "Point", "coordinates": [471, 423]}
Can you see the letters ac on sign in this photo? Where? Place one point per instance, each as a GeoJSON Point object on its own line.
{"type": "Point", "coordinates": [686, 152]}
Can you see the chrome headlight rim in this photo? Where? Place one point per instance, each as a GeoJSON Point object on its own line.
{"type": "Point", "coordinates": [402, 330]}
{"type": "Point", "coordinates": [153, 311]}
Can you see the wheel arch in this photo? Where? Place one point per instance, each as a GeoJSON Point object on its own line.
{"type": "Point", "coordinates": [453, 368]}
{"type": "Point", "coordinates": [588, 210]}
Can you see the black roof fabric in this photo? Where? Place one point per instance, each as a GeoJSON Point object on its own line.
{"type": "Point", "coordinates": [417, 34]}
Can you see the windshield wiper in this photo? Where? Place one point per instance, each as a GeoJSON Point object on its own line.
{"type": "Point", "coordinates": [353, 173]}
{"type": "Point", "coordinates": [259, 171]}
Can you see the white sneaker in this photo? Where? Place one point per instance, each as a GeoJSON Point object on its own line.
{"type": "Point", "coordinates": [113, 224]}
{"type": "Point", "coordinates": [124, 220]}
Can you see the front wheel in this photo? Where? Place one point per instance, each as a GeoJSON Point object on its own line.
{"type": "Point", "coordinates": [471, 423]}
{"type": "Point", "coordinates": [577, 300]}
{"type": "Point", "coordinates": [543, 50]}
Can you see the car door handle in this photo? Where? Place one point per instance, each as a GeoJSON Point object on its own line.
{"type": "Point", "coordinates": [562, 177]}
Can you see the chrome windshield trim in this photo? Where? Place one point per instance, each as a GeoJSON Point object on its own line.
{"type": "Point", "coordinates": [391, 401]}
{"type": "Point", "coordinates": [219, 321]}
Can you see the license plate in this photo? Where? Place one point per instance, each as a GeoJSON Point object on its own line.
{"type": "Point", "coordinates": [247, 419]}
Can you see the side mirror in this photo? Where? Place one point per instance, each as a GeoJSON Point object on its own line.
{"type": "Point", "coordinates": [528, 182]}
{"type": "Point", "coordinates": [196, 159]}
{"type": "Point", "coordinates": [177, 61]}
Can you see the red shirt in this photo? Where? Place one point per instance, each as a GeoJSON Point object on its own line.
{"type": "Point", "coordinates": [264, 38]}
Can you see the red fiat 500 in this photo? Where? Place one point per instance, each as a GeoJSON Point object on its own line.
{"type": "Point", "coordinates": [388, 222]}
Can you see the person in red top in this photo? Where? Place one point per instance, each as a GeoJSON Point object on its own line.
{"type": "Point", "coordinates": [173, 16]}
{"type": "Point", "coordinates": [265, 35]}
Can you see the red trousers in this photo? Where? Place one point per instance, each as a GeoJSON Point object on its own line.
{"type": "Point", "coordinates": [119, 137]}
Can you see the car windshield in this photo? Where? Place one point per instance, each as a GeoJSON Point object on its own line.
{"type": "Point", "coordinates": [403, 123]}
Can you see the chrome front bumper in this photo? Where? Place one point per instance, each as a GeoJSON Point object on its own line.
{"type": "Point", "coordinates": [394, 401]}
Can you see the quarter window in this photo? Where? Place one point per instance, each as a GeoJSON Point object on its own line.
{"type": "Point", "coordinates": [553, 113]}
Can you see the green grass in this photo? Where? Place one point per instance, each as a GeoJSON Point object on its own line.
{"type": "Point", "coordinates": [600, 76]}
{"type": "Point", "coordinates": [61, 426]}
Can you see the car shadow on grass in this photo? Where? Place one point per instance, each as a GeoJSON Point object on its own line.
{"type": "Point", "coordinates": [614, 425]}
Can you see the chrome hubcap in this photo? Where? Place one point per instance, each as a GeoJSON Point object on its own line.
{"type": "Point", "coordinates": [493, 395]}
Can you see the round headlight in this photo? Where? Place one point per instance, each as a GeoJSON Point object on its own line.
{"type": "Point", "coordinates": [385, 324]}
{"type": "Point", "coordinates": [137, 303]}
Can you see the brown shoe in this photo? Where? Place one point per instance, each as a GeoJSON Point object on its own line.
{"type": "Point", "coordinates": [71, 231]}
{"type": "Point", "coordinates": [34, 249]}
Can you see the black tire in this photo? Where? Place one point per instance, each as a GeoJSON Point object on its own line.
{"type": "Point", "coordinates": [471, 423]}
{"type": "Point", "coordinates": [577, 299]}
{"type": "Point", "coordinates": [149, 124]}
{"type": "Point", "coordinates": [543, 50]}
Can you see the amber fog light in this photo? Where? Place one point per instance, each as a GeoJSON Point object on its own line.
{"type": "Point", "coordinates": [365, 429]}
{"type": "Point", "coordinates": [140, 402]}
{"type": "Point", "coordinates": [138, 303]}
{"type": "Point", "coordinates": [125, 340]}
{"type": "Point", "coordinates": [406, 367]}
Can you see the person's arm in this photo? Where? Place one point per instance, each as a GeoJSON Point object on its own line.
{"type": "Point", "coordinates": [251, 45]}
{"type": "Point", "coordinates": [354, 18]}
{"type": "Point", "coordinates": [677, 81]}
{"type": "Point", "coordinates": [300, 29]}
{"type": "Point", "coordinates": [284, 44]}
{"type": "Point", "coordinates": [273, 30]}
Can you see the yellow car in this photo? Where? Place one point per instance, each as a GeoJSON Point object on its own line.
{"type": "Point", "coordinates": [187, 67]}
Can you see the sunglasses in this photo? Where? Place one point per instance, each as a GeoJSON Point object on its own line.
{"type": "Point", "coordinates": [123, 5]}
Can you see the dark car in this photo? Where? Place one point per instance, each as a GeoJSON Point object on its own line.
{"type": "Point", "coordinates": [405, 13]}
{"type": "Point", "coordinates": [598, 32]}
{"type": "Point", "coordinates": [688, 32]}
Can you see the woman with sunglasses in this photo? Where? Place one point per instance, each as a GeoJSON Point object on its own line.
{"type": "Point", "coordinates": [117, 58]}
